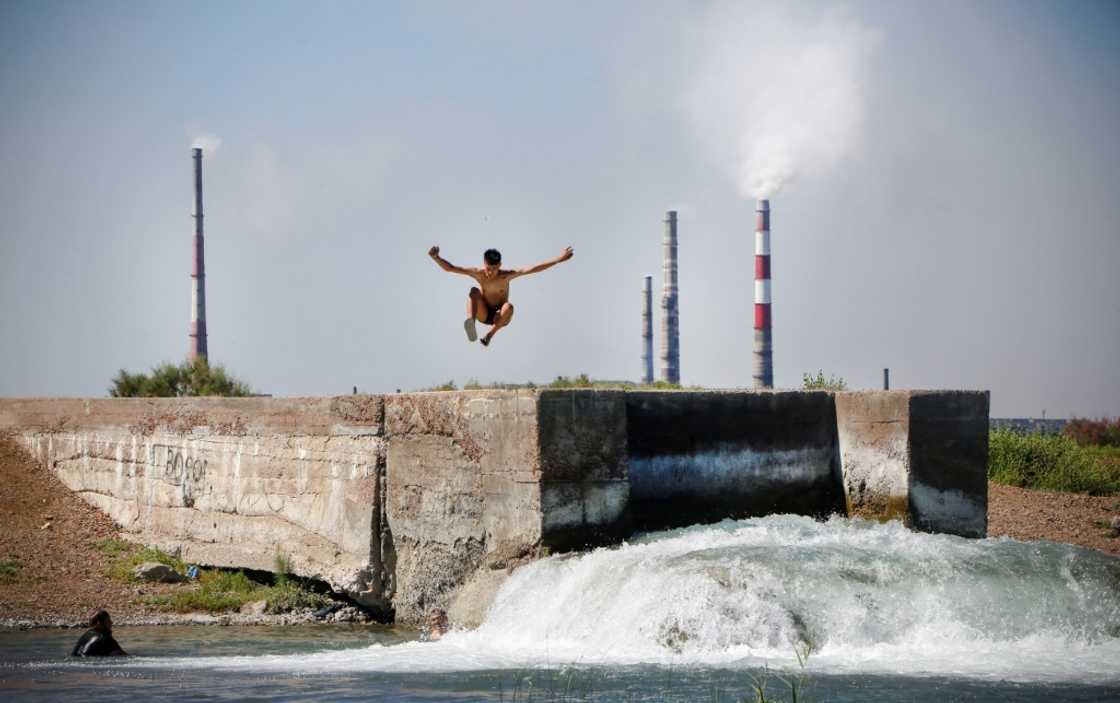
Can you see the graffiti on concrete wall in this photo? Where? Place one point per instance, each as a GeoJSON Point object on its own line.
{"type": "Point", "coordinates": [173, 466]}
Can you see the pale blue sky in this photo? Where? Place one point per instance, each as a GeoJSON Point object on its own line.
{"type": "Point", "coordinates": [969, 238]}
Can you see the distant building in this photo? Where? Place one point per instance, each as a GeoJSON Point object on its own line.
{"type": "Point", "coordinates": [1027, 425]}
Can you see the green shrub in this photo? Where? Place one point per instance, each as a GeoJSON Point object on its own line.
{"type": "Point", "coordinates": [289, 595]}
{"type": "Point", "coordinates": [820, 383]}
{"type": "Point", "coordinates": [219, 591]}
{"type": "Point", "coordinates": [191, 378]}
{"type": "Point", "coordinates": [9, 570]}
{"type": "Point", "coordinates": [1102, 432]}
{"type": "Point", "coordinates": [126, 556]}
{"type": "Point", "coordinates": [233, 582]}
{"type": "Point", "coordinates": [198, 600]}
{"type": "Point", "coordinates": [1049, 462]}
{"type": "Point", "coordinates": [580, 381]}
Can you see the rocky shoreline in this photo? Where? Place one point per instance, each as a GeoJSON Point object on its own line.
{"type": "Point", "coordinates": [347, 615]}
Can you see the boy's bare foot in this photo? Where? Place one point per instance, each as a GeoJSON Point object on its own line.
{"type": "Point", "coordinates": [472, 332]}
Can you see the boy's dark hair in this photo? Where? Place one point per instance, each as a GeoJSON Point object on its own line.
{"type": "Point", "coordinates": [492, 257]}
{"type": "Point", "coordinates": [98, 617]}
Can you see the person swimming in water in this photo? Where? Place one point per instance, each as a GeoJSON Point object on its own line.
{"type": "Point", "coordinates": [488, 303]}
{"type": "Point", "coordinates": [437, 624]}
{"type": "Point", "coordinates": [98, 640]}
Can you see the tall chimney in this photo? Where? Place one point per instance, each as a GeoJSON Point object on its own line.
{"type": "Point", "coordinates": [763, 342]}
{"type": "Point", "coordinates": [647, 330]}
{"type": "Point", "coordinates": [670, 308]}
{"type": "Point", "coordinates": [198, 273]}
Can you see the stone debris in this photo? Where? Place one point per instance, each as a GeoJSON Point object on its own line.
{"type": "Point", "coordinates": [256, 607]}
{"type": "Point", "coordinates": [154, 571]}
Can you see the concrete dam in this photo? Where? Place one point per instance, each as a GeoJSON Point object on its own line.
{"type": "Point", "coordinates": [407, 502]}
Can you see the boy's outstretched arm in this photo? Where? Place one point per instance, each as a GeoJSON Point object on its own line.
{"type": "Point", "coordinates": [568, 253]}
{"type": "Point", "coordinates": [447, 265]}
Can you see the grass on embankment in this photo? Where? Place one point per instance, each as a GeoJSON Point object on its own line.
{"type": "Point", "coordinates": [1052, 463]}
{"type": "Point", "coordinates": [126, 556]}
{"type": "Point", "coordinates": [9, 570]}
{"type": "Point", "coordinates": [215, 590]}
{"type": "Point", "coordinates": [224, 591]}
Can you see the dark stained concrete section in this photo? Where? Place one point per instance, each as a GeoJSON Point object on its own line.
{"type": "Point", "coordinates": [948, 442]}
{"type": "Point", "coordinates": [706, 456]}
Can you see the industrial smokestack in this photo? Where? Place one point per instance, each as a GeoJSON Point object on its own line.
{"type": "Point", "coordinates": [670, 309]}
{"type": "Point", "coordinates": [198, 273]}
{"type": "Point", "coordinates": [647, 330]}
{"type": "Point", "coordinates": [763, 342]}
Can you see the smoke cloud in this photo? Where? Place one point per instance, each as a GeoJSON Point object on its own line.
{"type": "Point", "coordinates": [775, 95]}
{"type": "Point", "coordinates": [209, 143]}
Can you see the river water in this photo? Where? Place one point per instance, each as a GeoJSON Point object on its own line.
{"type": "Point", "coordinates": [701, 613]}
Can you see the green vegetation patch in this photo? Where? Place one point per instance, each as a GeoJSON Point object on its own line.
{"type": "Point", "coordinates": [9, 570]}
{"type": "Point", "coordinates": [219, 591]}
{"type": "Point", "coordinates": [1052, 463]}
{"type": "Point", "coordinates": [820, 383]}
{"type": "Point", "coordinates": [124, 557]}
{"type": "Point", "coordinates": [190, 378]}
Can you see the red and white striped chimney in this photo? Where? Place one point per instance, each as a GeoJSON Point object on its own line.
{"type": "Point", "coordinates": [763, 342]}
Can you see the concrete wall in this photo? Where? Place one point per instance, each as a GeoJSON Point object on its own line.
{"type": "Point", "coordinates": [408, 502]}
{"type": "Point", "coordinates": [395, 500]}
{"type": "Point", "coordinates": [920, 456]}
{"type": "Point", "coordinates": [227, 482]}
{"type": "Point", "coordinates": [705, 456]}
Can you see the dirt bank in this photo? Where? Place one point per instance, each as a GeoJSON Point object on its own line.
{"type": "Point", "coordinates": [1059, 517]}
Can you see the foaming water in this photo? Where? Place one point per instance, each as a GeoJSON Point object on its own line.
{"type": "Point", "coordinates": [867, 598]}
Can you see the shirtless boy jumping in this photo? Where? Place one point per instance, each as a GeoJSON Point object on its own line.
{"type": "Point", "coordinates": [489, 302]}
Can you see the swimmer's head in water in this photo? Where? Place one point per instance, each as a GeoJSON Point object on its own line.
{"type": "Point", "coordinates": [437, 623]}
{"type": "Point", "coordinates": [101, 618]}
{"type": "Point", "coordinates": [493, 262]}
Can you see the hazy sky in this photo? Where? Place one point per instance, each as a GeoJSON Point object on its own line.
{"type": "Point", "coordinates": [944, 179]}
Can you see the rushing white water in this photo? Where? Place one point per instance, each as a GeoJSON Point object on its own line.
{"type": "Point", "coordinates": [868, 597]}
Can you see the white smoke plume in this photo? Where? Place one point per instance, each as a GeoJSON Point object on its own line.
{"type": "Point", "coordinates": [775, 94]}
{"type": "Point", "coordinates": [209, 143]}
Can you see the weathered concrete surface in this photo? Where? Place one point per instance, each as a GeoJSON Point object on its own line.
{"type": "Point", "coordinates": [873, 434]}
{"type": "Point", "coordinates": [227, 482]}
{"type": "Point", "coordinates": [705, 456]}
{"type": "Point", "coordinates": [917, 455]}
{"type": "Point", "coordinates": [395, 500]}
{"type": "Point", "coordinates": [485, 479]}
